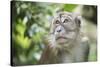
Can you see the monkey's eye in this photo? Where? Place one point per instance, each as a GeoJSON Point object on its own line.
{"type": "Point", "coordinates": [66, 20]}
{"type": "Point", "coordinates": [57, 22]}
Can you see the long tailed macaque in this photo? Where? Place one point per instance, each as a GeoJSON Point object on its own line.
{"type": "Point", "coordinates": [66, 43]}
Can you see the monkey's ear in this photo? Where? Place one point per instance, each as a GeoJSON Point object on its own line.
{"type": "Point", "coordinates": [78, 20]}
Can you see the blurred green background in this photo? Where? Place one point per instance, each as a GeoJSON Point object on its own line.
{"type": "Point", "coordinates": [30, 21]}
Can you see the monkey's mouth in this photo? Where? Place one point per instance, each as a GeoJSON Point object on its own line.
{"type": "Point", "coordinates": [61, 40]}
{"type": "Point", "coordinates": [61, 37]}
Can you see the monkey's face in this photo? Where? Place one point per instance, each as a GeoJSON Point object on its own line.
{"type": "Point", "coordinates": [65, 27]}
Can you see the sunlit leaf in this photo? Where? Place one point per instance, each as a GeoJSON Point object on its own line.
{"type": "Point", "coordinates": [23, 42]}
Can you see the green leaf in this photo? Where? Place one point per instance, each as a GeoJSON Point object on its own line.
{"type": "Point", "coordinates": [69, 7]}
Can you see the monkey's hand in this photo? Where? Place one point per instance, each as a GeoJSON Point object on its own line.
{"type": "Point", "coordinates": [50, 52]}
{"type": "Point", "coordinates": [49, 40]}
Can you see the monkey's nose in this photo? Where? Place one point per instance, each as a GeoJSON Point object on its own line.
{"type": "Point", "coordinates": [59, 30]}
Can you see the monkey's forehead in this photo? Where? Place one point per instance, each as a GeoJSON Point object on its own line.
{"type": "Point", "coordinates": [63, 14]}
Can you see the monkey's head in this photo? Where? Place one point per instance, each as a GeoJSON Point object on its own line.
{"type": "Point", "coordinates": [65, 28]}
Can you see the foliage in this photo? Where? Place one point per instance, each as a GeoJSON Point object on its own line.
{"type": "Point", "coordinates": [69, 7]}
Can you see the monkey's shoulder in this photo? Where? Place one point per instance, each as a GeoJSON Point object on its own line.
{"type": "Point", "coordinates": [82, 51]}
{"type": "Point", "coordinates": [85, 42]}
